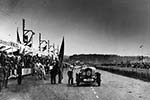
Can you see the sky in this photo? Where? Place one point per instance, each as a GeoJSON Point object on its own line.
{"type": "Point", "coordinates": [88, 26]}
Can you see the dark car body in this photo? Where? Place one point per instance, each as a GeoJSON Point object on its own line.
{"type": "Point", "coordinates": [88, 75]}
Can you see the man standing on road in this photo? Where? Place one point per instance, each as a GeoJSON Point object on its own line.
{"type": "Point", "coordinates": [1, 76]}
{"type": "Point", "coordinates": [60, 72]}
{"type": "Point", "coordinates": [70, 75]}
{"type": "Point", "coordinates": [19, 70]}
{"type": "Point", "coordinates": [54, 72]}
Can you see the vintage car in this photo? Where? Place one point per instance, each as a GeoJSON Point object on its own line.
{"type": "Point", "coordinates": [88, 75]}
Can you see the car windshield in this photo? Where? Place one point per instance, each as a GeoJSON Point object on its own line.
{"type": "Point", "coordinates": [93, 68]}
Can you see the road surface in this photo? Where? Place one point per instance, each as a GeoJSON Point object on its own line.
{"type": "Point", "coordinates": [113, 87]}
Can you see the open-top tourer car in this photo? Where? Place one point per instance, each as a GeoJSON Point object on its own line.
{"type": "Point", "coordinates": [88, 75]}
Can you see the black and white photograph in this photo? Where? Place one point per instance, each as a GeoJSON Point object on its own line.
{"type": "Point", "coordinates": [74, 49]}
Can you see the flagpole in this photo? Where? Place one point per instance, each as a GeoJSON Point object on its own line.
{"type": "Point", "coordinates": [48, 47]}
{"type": "Point", "coordinates": [39, 41]}
{"type": "Point", "coordinates": [23, 28]}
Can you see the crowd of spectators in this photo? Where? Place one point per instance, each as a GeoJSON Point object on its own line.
{"type": "Point", "coordinates": [137, 65]}
{"type": "Point", "coordinates": [11, 65]}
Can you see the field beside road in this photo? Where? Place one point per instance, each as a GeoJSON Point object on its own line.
{"type": "Point", "coordinates": [138, 73]}
{"type": "Point", "coordinates": [114, 87]}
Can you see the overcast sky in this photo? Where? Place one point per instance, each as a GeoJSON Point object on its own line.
{"type": "Point", "coordinates": [89, 26]}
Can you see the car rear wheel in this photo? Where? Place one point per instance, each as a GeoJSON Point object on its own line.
{"type": "Point", "coordinates": [99, 83]}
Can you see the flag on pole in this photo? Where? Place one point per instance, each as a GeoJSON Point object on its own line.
{"type": "Point", "coordinates": [25, 39]}
{"type": "Point", "coordinates": [45, 44]}
{"type": "Point", "coordinates": [18, 38]}
{"type": "Point", "coordinates": [30, 41]}
{"type": "Point", "coordinates": [44, 48]}
{"type": "Point", "coordinates": [61, 52]}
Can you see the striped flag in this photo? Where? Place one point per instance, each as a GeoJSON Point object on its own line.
{"type": "Point", "coordinates": [25, 38]}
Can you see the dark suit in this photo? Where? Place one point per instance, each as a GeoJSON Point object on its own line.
{"type": "Point", "coordinates": [70, 77]}
{"type": "Point", "coordinates": [1, 77]}
{"type": "Point", "coordinates": [54, 72]}
{"type": "Point", "coordinates": [19, 72]}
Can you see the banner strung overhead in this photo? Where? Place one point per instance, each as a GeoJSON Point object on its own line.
{"type": "Point", "coordinates": [9, 43]}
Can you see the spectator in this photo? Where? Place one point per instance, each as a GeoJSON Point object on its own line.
{"type": "Point", "coordinates": [54, 72]}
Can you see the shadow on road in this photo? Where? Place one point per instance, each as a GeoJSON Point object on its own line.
{"type": "Point", "coordinates": [27, 83]}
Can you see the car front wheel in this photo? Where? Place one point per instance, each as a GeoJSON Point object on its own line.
{"type": "Point", "coordinates": [98, 78]}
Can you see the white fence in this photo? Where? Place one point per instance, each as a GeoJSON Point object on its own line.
{"type": "Point", "coordinates": [25, 71]}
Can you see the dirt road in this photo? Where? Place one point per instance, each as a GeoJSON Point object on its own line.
{"type": "Point", "coordinates": [114, 87]}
